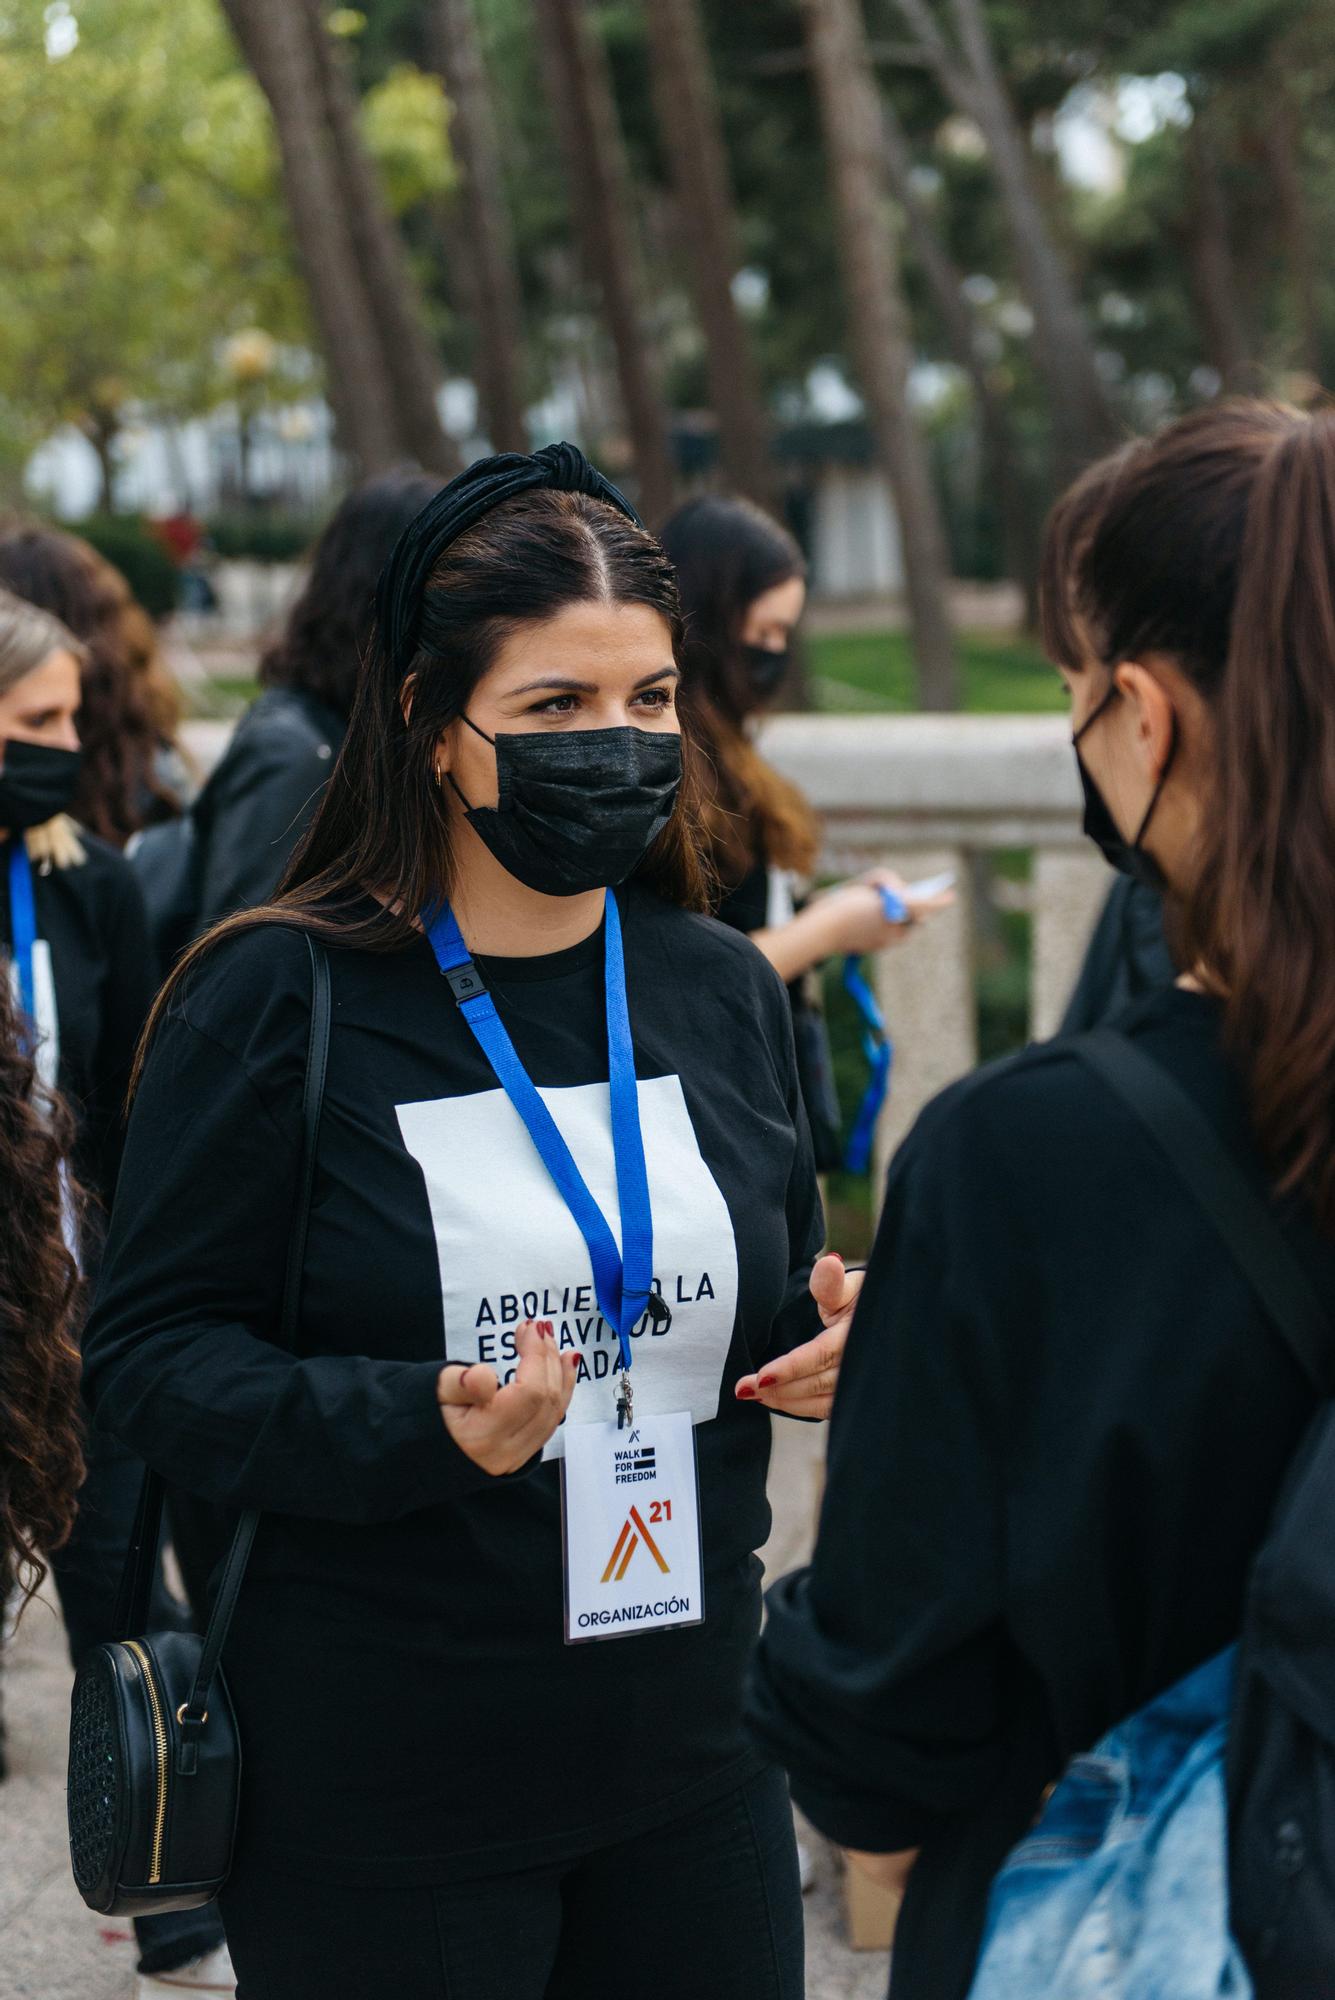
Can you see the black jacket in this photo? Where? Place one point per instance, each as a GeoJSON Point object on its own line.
{"type": "Point", "coordinates": [260, 800]}
{"type": "Point", "coordinates": [1061, 1428]}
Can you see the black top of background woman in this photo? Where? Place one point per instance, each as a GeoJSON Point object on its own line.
{"type": "Point", "coordinates": [93, 970]}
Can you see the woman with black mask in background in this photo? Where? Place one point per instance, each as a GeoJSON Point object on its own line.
{"type": "Point", "coordinates": [442, 1794]}
{"type": "Point", "coordinates": [131, 773]}
{"type": "Point", "coordinates": [743, 589]}
{"type": "Point", "coordinates": [263, 794]}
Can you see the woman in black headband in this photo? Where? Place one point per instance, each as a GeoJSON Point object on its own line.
{"type": "Point", "coordinates": [489, 1653]}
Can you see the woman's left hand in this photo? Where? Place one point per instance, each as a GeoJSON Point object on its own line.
{"type": "Point", "coordinates": [802, 1382]}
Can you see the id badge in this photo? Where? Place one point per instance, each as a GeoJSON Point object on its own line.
{"type": "Point", "coordinates": [630, 1517]}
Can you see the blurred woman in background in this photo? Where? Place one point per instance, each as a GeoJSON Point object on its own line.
{"type": "Point", "coordinates": [263, 795]}
{"type": "Point", "coordinates": [132, 774]}
{"type": "Point", "coordinates": [743, 590]}
{"type": "Point", "coordinates": [71, 918]}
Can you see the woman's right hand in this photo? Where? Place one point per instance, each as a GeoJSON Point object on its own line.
{"type": "Point", "coordinates": [501, 1428]}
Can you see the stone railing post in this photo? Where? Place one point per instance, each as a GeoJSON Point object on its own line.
{"type": "Point", "coordinates": [926, 989]}
{"type": "Point", "coordinates": [1068, 888]}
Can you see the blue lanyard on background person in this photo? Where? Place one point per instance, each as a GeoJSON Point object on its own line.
{"type": "Point", "coordinates": [22, 923]}
{"type": "Point", "coordinates": [877, 1046]}
{"type": "Point", "coordinates": [623, 1279]}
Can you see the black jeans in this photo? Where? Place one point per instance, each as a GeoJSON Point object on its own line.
{"type": "Point", "coordinates": [87, 1574]}
{"type": "Point", "coordinates": [706, 1908]}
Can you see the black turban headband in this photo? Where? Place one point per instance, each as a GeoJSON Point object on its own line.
{"type": "Point", "coordinates": [560, 467]}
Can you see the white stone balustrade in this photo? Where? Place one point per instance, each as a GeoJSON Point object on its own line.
{"type": "Point", "coordinates": [921, 793]}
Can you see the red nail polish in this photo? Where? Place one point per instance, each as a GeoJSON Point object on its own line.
{"type": "Point", "coordinates": [744, 1394]}
{"type": "Point", "coordinates": [547, 1329]}
{"type": "Point", "coordinates": [836, 1254]}
{"type": "Point", "coordinates": [768, 1381]}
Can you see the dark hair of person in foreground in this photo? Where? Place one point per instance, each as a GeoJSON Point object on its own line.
{"type": "Point", "coordinates": [41, 1463]}
{"type": "Point", "coordinates": [1211, 544]}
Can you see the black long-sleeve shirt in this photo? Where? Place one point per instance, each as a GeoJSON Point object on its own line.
{"type": "Point", "coordinates": [1060, 1430]}
{"type": "Point", "coordinates": [409, 1706]}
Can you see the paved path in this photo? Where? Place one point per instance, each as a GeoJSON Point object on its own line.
{"type": "Point", "coordinates": [52, 1948]}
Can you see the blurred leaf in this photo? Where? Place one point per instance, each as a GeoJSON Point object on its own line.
{"type": "Point", "coordinates": [405, 121]}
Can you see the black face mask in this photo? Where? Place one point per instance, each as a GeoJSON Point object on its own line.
{"type": "Point", "coordinates": [765, 669]}
{"type": "Point", "coordinates": [1127, 856]}
{"type": "Point", "coordinates": [37, 781]}
{"type": "Point", "coordinates": [580, 810]}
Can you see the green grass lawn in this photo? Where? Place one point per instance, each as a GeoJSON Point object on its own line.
{"type": "Point", "coordinates": [870, 671]}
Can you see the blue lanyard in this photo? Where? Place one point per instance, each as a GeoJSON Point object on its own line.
{"type": "Point", "coordinates": [623, 1279]}
{"type": "Point", "coordinates": [22, 921]}
{"type": "Point", "coordinates": [877, 1047]}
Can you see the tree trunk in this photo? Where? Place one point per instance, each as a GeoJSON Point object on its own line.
{"type": "Point", "coordinates": [1281, 136]}
{"type": "Point", "coordinates": [1213, 278]}
{"type": "Point", "coordinates": [102, 436]}
{"type": "Point", "coordinates": [410, 361]}
{"type": "Point", "coordinates": [1083, 421]}
{"type": "Point", "coordinates": [580, 90]}
{"type": "Point", "coordinates": [692, 134]}
{"type": "Point", "coordinates": [492, 275]}
{"type": "Point", "coordinates": [854, 148]}
{"type": "Point", "coordinates": [277, 45]}
{"type": "Point", "coordinates": [959, 321]}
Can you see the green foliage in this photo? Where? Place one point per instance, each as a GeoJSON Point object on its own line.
{"type": "Point", "coordinates": [138, 554]}
{"type": "Point", "coordinates": [871, 671]}
{"type": "Point", "coordinates": [263, 537]}
{"type": "Point", "coordinates": [404, 122]}
{"type": "Point", "coordinates": [144, 222]}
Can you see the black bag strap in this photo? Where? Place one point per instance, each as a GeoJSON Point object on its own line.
{"type": "Point", "coordinates": [141, 1557]}
{"type": "Point", "coordinates": [1247, 1227]}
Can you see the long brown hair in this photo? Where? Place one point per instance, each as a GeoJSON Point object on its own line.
{"type": "Point", "coordinates": [41, 1465]}
{"type": "Point", "coordinates": [727, 552]}
{"type": "Point", "coordinates": [128, 708]}
{"type": "Point", "coordinates": [1216, 547]}
{"type": "Point", "coordinates": [383, 825]}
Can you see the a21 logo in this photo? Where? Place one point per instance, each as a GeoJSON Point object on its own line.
{"type": "Point", "coordinates": [634, 1532]}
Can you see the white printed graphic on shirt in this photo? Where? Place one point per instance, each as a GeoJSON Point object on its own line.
{"type": "Point", "coordinates": [510, 1250]}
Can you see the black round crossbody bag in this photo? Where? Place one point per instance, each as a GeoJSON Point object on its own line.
{"type": "Point", "coordinates": [155, 1758]}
